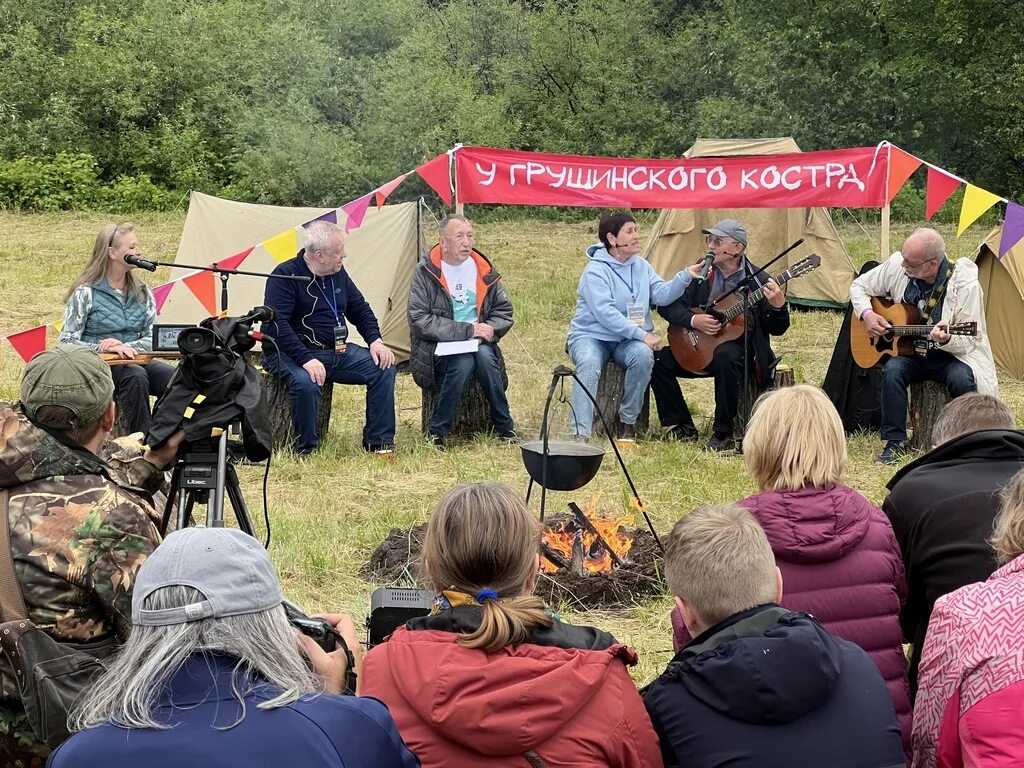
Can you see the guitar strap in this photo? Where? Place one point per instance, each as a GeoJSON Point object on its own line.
{"type": "Point", "coordinates": [936, 296]}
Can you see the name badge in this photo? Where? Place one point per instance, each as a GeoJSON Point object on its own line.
{"type": "Point", "coordinates": [341, 339]}
{"type": "Point", "coordinates": [636, 313]}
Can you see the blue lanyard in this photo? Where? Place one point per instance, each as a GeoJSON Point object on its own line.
{"type": "Point", "coordinates": [632, 293]}
{"type": "Point", "coordinates": [331, 301]}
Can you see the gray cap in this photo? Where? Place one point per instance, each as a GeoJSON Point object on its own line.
{"type": "Point", "coordinates": [69, 376]}
{"type": "Point", "coordinates": [230, 568]}
{"type": "Point", "coordinates": [728, 228]}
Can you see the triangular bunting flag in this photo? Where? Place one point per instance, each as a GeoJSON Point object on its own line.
{"type": "Point", "coordinates": [901, 167]}
{"type": "Point", "coordinates": [438, 176]}
{"type": "Point", "coordinates": [29, 343]}
{"type": "Point", "coordinates": [355, 211]}
{"type": "Point", "coordinates": [283, 246]}
{"type": "Point", "coordinates": [1013, 228]}
{"type": "Point", "coordinates": [160, 294]}
{"type": "Point", "coordinates": [58, 326]}
{"type": "Point", "coordinates": [384, 190]}
{"type": "Point", "coordinates": [232, 262]}
{"type": "Point", "coordinates": [940, 186]}
{"type": "Point", "coordinates": [331, 216]}
{"type": "Point", "coordinates": [203, 288]}
{"type": "Point", "coordinates": [976, 202]}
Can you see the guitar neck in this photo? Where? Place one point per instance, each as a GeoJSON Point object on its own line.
{"type": "Point", "coordinates": [911, 330]}
{"type": "Point", "coordinates": [737, 309]}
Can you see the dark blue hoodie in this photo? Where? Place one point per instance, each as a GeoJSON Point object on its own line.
{"type": "Point", "coordinates": [772, 689]}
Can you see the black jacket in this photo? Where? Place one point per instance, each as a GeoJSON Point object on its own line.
{"type": "Point", "coordinates": [431, 318]}
{"type": "Point", "coordinates": [766, 320]}
{"type": "Point", "coordinates": [942, 507]}
{"type": "Point", "coordinates": [771, 688]}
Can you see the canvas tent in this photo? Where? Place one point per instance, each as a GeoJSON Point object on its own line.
{"type": "Point", "coordinates": [382, 252]}
{"type": "Point", "coordinates": [1002, 281]}
{"type": "Point", "coordinates": [677, 239]}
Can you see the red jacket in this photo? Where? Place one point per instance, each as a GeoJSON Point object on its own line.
{"type": "Point", "coordinates": [462, 707]}
{"type": "Point", "coordinates": [970, 698]}
{"type": "Point", "coordinates": [840, 562]}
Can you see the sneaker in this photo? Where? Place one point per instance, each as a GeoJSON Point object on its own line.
{"type": "Point", "coordinates": [436, 441]}
{"type": "Point", "coordinates": [510, 436]}
{"type": "Point", "coordinates": [581, 438]}
{"type": "Point", "coordinates": [721, 443]}
{"type": "Point", "coordinates": [627, 434]}
{"type": "Point", "coordinates": [894, 451]}
{"type": "Point", "coordinates": [384, 452]}
{"type": "Point", "coordinates": [683, 432]}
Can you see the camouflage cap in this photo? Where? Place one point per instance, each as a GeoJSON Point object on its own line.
{"type": "Point", "coordinates": [73, 377]}
{"type": "Point", "coordinates": [230, 568]}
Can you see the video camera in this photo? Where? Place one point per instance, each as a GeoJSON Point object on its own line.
{"type": "Point", "coordinates": [391, 607]}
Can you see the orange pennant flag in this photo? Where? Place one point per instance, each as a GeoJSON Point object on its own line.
{"type": "Point", "coordinates": [202, 285]}
{"type": "Point", "coordinates": [901, 167]}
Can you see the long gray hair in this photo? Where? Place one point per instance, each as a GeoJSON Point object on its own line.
{"type": "Point", "coordinates": [264, 644]}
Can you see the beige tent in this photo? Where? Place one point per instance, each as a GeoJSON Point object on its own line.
{"type": "Point", "coordinates": [677, 240]}
{"type": "Point", "coordinates": [1002, 280]}
{"type": "Point", "coordinates": [381, 255]}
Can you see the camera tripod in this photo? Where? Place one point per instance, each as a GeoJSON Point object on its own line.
{"type": "Point", "coordinates": [202, 473]}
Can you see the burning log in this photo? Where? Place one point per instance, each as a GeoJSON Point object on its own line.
{"type": "Point", "coordinates": [585, 523]}
{"type": "Point", "coordinates": [553, 557]}
{"type": "Point", "coordinates": [576, 564]}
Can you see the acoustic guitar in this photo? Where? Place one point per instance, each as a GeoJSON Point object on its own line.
{"type": "Point", "coordinates": [694, 349]}
{"type": "Point", "coordinates": [906, 337]}
{"type": "Point", "coordinates": [141, 358]}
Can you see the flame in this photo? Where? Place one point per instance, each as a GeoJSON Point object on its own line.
{"type": "Point", "coordinates": [595, 558]}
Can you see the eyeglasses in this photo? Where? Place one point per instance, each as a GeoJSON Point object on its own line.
{"type": "Point", "coordinates": [918, 264]}
{"type": "Point", "coordinates": [716, 240]}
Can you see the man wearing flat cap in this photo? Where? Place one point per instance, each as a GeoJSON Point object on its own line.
{"type": "Point", "coordinates": [727, 244]}
{"type": "Point", "coordinates": [78, 532]}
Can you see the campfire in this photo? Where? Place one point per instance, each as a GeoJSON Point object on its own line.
{"type": "Point", "coordinates": [584, 543]}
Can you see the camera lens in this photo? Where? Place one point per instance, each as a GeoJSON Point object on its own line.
{"type": "Point", "coordinates": [196, 341]}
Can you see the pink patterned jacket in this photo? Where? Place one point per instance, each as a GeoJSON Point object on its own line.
{"type": "Point", "coordinates": [970, 702]}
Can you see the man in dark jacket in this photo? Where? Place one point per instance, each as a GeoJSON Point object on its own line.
{"type": "Point", "coordinates": [312, 337]}
{"type": "Point", "coordinates": [457, 301]}
{"type": "Point", "coordinates": [759, 685]}
{"type": "Point", "coordinates": [727, 243]}
{"type": "Point", "coordinates": [942, 507]}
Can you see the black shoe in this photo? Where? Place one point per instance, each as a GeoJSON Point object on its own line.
{"type": "Point", "coordinates": [683, 432]}
{"type": "Point", "coordinates": [627, 434]}
{"type": "Point", "coordinates": [436, 441]}
{"type": "Point", "coordinates": [894, 451]}
{"type": "Point", "coordinates": [721, 443]}
{"type": "Point", "coordinates": [510, 436]}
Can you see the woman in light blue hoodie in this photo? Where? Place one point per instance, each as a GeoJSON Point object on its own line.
{"type": "Point", "coordinates": [613, 320]}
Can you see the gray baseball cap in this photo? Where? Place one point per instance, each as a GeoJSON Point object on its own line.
{"type": "Point", "coordinates": [69, 376]}
{"type": "Point", "coordinates": [230, 568]}
{"type": "Point", "coordinates": [728, 228]}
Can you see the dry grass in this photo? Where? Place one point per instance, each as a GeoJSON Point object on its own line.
{"type": "Point", "coordinates": [330, 513]}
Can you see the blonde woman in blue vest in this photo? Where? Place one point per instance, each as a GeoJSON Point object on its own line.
{"type": "Point", "coordinates": [110, 310]}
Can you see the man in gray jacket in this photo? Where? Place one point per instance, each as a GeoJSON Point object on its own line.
{"type": "Point", "coordinates": [458, 311]}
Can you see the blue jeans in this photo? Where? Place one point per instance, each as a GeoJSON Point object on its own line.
{"type": "Point", "coordinates": [355, 366]}
{"type": "Point", "coordinates": [452, 374]}
{"type": "Point", "coordinates": [589, 356]}
{"type": "Point", "coordinates": [900, 372]}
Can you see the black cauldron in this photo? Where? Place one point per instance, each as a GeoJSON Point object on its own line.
{"type": "Point", "coordinates": [571, 465]}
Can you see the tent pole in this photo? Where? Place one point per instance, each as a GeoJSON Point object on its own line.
{"type": "Point", "coordinates": [885, 233]}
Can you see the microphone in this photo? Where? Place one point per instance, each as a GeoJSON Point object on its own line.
{"type": "Point", "coordinates": [138, 261]}
{"type": "Point", "coordinates": [709, 257]}
{"type": "Point", "coordinates": [259, 314]}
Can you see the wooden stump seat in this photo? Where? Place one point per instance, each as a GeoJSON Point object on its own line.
{"type": "Point", "coordinates": [609, 394]}
{"type": "Point", "coordinates": [927, 399]}
{"type": "Point", "coordinates": [472, 417]}
{"type": "Point", "coordinates": [279, 405]}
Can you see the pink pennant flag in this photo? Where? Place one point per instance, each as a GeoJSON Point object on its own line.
{"type": "Point", "coordinates": [437, 174]}
{"type": "Point", "coordinates": [160, 294]}
{"type": "Point", "coordinates": [29, 343]}
{"type": "Point", "coordinates": [940, 186]}
{"type": "Point", "coordinates": [384, 190]}
{"type": "Point", "coordinates": [355, 211]}
{"type": "Point", "coordinates": [1013, 228]}
{"type": "Point", "coordinates": [232, 262]}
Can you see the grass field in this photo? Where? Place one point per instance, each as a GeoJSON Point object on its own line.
{"type": "Point", "coordinates": [331, 512]}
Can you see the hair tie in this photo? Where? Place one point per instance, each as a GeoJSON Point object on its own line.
{"type": "Point", "coordinates": [486, 594]}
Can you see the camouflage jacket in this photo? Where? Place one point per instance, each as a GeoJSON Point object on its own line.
{"type": "Point", "coordinates": [79, 532]}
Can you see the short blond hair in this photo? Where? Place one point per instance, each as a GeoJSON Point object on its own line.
{"type": "Point", "coordinates": [719, 561]}
{"type": "Point", "coordinates": [795, 440]}
{"type": "Point", "coordinates": [1008, 539]}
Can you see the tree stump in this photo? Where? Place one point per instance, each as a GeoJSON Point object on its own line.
{"type": "Point", "coordinates": [279, 405]}
{"type": "Point", "coordinates": [927, 399]}
{"type": "Point", "coordinates": [472, 417]}
{"type": "Point", "coordinates": [784, 377]}
{"type": "Point", "coordinates": [609, 394]}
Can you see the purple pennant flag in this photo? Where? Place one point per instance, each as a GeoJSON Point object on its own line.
{"type": "Point", "coordinates": [1013, 228]}
{"type": "Point", "coordinates": [355, 211]}
{"type": "Point", "coordinates": [331, 216]}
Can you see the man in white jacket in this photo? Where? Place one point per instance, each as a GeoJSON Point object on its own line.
{"type": "Point", "coordinates": [920, 274]}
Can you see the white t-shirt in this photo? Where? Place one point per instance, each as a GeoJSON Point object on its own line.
{"type": "Point", "coordinates": [461, 281]}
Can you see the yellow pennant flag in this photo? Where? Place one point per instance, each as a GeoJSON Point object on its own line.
{"type": "Point", "coordinates": [283, 246]}
{"type": "Point", "coordinates": [58, 326]}
{"type": "Point", "coordinates": [976, 202]}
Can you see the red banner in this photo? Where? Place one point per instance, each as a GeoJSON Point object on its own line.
{"type": "Point", "coordinates": [847, 178]}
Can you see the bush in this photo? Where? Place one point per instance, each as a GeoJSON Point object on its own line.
{"type": "Point", "coordinates": [139, 193]}
{"type": "Point", "coordinates": [67, 181]}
